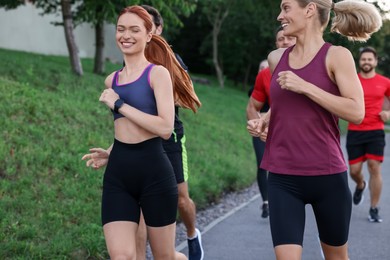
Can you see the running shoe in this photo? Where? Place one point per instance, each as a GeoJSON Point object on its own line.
{"type": "Point", "coordinates": [195, 249]}
{"type": "Point", "coordinates": [374, 215]}
{"type": "Point", "coordinates": [358, 195]}
{"type": "Point", "coordinates": [264, 210]}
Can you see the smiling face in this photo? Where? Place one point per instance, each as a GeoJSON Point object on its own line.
{"type": "Point", "coordinates": [131, 34]}
{"type": "Point", "coordinates": [367, 62]}
{"type": "Point", "coordinates": [298, 15]}
{"type": "Point", "coordinates": [290, 16]}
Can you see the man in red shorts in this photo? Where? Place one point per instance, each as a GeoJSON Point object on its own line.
{"type": "Point", "coordinates": [366, 142]}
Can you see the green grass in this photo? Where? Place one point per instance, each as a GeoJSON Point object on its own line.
{"type": "Point", "coordinates": [49, 200]}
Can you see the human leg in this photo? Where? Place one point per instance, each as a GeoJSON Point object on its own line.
{"type": "Point", "coordinates": [120, 239]}
{"type": "Point", "coordinates": [141, 239]}
{"type": "Point", "coordinates": [187, 209]}
{"type": "Point", "coordinates": [158, 200]}
{"type": "Point", "coordinates": [375, 155]}
{"type": "Point", "coordinates": [177, 154]}
{"type": "Point", "coordinates": [356, 148]}
{"type": "Point", "coordinates": [375, 182]}
{"type": "Point", "coordinates": [122, 190]}
{"type": "Point", "coordinates": [333, 213]}
{"type": "Point", "coordinates": [262, 183]}
{"type": "Point", "coordinates": [288, 252]}
{"type": "Point", "coordinates": [162, 242]}
{"type": "Point", "coordinates": [160, 218]}
{"type": "Point", "coordinates": [159, 208]}
{"type": "Point", "coordinates": [355, 171]}
{"type": "Point", "coordinates": [263, 187]}
{"type": "Point", "coordinates": [187, 213]}
{"type": "Point", "coordinates": [335, 252]}
{"type": "Point", "coordinates": [285, 199]}
{"type": "Point", "coordinates": [259, 147]}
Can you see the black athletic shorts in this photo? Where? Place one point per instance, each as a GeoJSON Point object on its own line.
{"type": "Point", "coordinates": [139, 176]}
{"type": "Point", "coordinates": [177, 154]}
{"type": "Point", "coordinates": [329, 196]}
{"type": "Point", "coordinates": [363, 145]}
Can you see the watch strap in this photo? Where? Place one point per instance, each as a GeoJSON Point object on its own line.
{"type": "Point", "coordinates": [118, 104]}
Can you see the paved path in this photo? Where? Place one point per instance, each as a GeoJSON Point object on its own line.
{"type": "Point", "coordinates": [243, 235]}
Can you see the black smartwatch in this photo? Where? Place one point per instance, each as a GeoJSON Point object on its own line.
{"type": "Point", "coordinates": [118, 103]}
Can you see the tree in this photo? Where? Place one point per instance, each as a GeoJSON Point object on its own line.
{"type": "Point", "coordinates": [246, 36]}
{"type": "Point", "coordinates": [75, 61]}
{"type": "Point", "coordinates": [11, 4]}
{"type": "Point", "coordinates": [52, 6]}
{"type": "Point", "coordinates": [98, 13]}
{"type": "Point", "coordinates": [216, 12]}
{"type": "Point", "coordinates": [250, 32]}
{"type": "Point", "coordinates": [76, 12]}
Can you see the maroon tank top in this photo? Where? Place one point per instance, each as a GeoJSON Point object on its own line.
{"type": "Point", "coordinates": [303, 137]}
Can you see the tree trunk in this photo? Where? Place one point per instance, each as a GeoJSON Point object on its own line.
{"type": "Point", "coordinates": [217, 66]}
{"type": "Point", "coordinates": [217, 24]}
{"type": "Point", "coordinates": [99, 48]}
{"type": "Point", "coordinates": [70, 39]}
{"type": "Point", "coordinates": [247, 72]}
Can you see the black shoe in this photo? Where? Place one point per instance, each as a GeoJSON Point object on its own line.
{"type": "Point", "coordinates": [374, 215]}
{"type": "Point", "coordinates": [265, 210]}
{"type": "Point", "coordinates": [195, 250]}
{"type": "Point", "coordinates": [358, 195]}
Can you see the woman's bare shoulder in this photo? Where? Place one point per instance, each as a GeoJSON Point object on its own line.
{"type": "Point", "coordinates": [339, 52]}
{"type": "Point", "coordinates": [274, 58]}
{"type": "Point", "coordinates": [108, 80]}
{"type": "Point", "coordinates": [338, 56]}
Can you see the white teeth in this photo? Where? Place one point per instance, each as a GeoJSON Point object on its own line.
{"type": "Point", "coordinates": [284, 25]}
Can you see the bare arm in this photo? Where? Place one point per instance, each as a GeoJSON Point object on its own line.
{"type": "Point", "coordinates": [385, 113]}
{"type": "Point", "coordinates": [350, 105]}
{"type": "Point", "coordinates": [253, 108]}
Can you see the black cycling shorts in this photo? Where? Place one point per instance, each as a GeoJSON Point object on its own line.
{"type": "Point", "coordinates": [329, 196]}
{"type": "Point", "coordinates": [139, 176]}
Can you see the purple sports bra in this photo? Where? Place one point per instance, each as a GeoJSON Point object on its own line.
{"type": "Point", "coordinates": [138, 94]}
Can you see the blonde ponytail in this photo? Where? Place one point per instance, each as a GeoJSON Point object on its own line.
{"type": "Point", "coordinates": [357, 20]}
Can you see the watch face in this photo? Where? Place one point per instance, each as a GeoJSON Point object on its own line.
{"type": "Point", "coordinates": [119, 102]}
{"type": "Point", "coordinates": [118, 105]}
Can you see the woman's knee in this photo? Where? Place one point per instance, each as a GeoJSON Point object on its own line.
{"type": "Point", "coordinates": [122, 254]}
{"type": "Point", "coordinates": [164, 254]}
{"type": "Point", "coordinates": [288, 252]}
{"type": "Point", "coordinates": [335, 252]}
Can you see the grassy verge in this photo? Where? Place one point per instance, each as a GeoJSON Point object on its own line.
{"type": "Point", "coordinates": [49, 200]}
